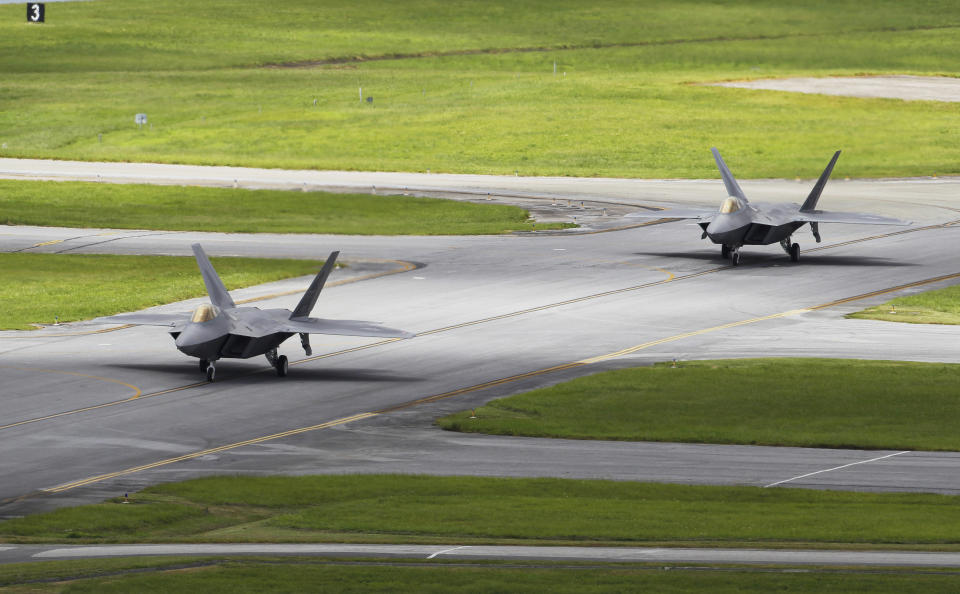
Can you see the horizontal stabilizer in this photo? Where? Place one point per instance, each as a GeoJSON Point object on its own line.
{"type": "Point", "coordinates": [733, 188]}
{"type": "Point", "coordinates": [850, 218]}
{"type": "Point", "coordinates": [342, 328]}
{"type": "Point", "coordinates": [811, 202]}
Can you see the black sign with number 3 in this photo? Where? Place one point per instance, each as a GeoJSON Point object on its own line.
{"type": "Point", "coordinates": [35, 12]}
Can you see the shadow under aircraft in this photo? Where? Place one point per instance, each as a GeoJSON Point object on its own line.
{"type": "Point", "coordinates": [221, 330]}
{"type": "Point", "coordinates": [739, 222]}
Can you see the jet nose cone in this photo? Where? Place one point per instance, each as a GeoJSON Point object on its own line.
{"type": "Point", "coordinates": [188, 336]}
{"type": "Point", "coordinates": [196, 342]}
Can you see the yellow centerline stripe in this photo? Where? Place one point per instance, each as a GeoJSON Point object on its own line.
{"type": "Point", "coordinates": [890, 290]}
{"type": "Point", "coordinates": [136, 394]}
{"type": "Point", "coordinates": [47, 243]}
{"type": "Point", "coordinates": [484, 385]}
{"type": "Point", "coordinates": [670, 277]}
{"type": "Point", "coordinates": [192, 455]}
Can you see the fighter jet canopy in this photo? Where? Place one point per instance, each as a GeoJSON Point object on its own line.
{"type": "Point", "coordinates": [730, 205]}
{"type": "Point", "coordinates": [204, 313]}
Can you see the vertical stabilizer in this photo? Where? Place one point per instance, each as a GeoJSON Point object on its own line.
{"type": "Point", "coordinates": [216, 290]}
{"type": "Point", "coordinates": [811, 202]}
{"type": "Point", "coordinates": [309, 298]}
{"type": "Point", "coordinates": [733, 188]}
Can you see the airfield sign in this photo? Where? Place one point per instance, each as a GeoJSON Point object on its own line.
{"type": "Point", "coordinates": [35, 12]}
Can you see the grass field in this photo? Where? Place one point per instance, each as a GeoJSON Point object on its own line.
{"type": "Point", "coordinates": [786, 402]}
{"type": "Point", "coordinates": [311, 575]}
{"type": "Point", "coordinates": [940, 306]}
{"type": "Point", "coordinates": [76, 204]}
{"type": "Point", "coordinates": [472, 510]}
{"type": "Point", "coordinates": [37, 287]}
{"type": "Point", "coordinates": [621, 102]}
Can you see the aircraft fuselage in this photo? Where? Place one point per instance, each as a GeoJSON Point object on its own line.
{"type": "Point", "coordinates": [217, 338]}
{"type": "Point", "coordinates": [744, 227]}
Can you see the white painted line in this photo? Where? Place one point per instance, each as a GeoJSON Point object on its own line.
{"type": "Point", "coordinates": [7, 548]}
{"type": "Point", "coordinates": [447, 551]}
{"type": "Point", "coordinates": [835, 468]}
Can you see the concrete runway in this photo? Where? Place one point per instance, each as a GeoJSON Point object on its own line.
{"type": "Point", "coordinates": [875, 559]}
{"type": "Point", "coordinates": [89, 415]}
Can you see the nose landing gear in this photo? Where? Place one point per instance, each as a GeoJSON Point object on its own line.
{"type": "Point", "coordinates": [207, 368]}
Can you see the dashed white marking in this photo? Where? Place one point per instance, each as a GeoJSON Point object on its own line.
{"type": "Point", "coordinates": [559, 249]}
{"type": "Point", "coordinates": [447, 551]}
{"type": "Point", "coordinates": [835, 468]}
{"type": "Point", "coordinates": [419, 278]}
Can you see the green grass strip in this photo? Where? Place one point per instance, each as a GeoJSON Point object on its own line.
{"type": "Point", "coordinates": [626, 105]}
{"type": "Point", "coordinates": [784, 402]}
{"type": "Point", "coordinates": [471, 510]}
{"type": "Point", "coordinates": [940, 306]}
{"type": "Point", "coordinates": [38, 287]}
{"type": "Point", "coordinates": [310, 575]}
{"type": "Point", "coordinates": [119, 206]}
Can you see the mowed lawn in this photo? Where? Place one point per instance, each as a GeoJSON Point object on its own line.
{"type": "Point", "coordinates": [38, 288]}
{"type": "Point", "coordinates": [940, 306]}
{"type": "Point", "coordinates": [173, 208]}
{"type": "Point", "coordinates": [783, 402]}
{"type": "Point", "coordinates": [624, 100]}
{"type": "Point", "coordinates": [288, 574]}
{"type": "Point", "coordinates": [475, 510]}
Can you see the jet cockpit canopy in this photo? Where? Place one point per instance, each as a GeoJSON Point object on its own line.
{"type": "Point", "coordinates": [730, 205]}
{"type": "Point", "coordinates": [205, 313]}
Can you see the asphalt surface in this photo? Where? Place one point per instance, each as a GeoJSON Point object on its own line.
{"type": "Point", "coordinates": [89, 415]}
{"type": "Point", "coordinates": [877, 559]}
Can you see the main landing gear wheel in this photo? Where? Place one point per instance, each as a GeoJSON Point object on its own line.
{"type": "Point", "coordinates": [279, 362]}
{"type": "Point", "coordinates": [735, 258]}
{"type": "Point", "coordinates": [203, 365]}
{"type": "Point", "coordinates": [725, 251]}
{"type": "Point", "coordinates": [795, 252]}
{"type": "Point", "coordinates": [211, 372]}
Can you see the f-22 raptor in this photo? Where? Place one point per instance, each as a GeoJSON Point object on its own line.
{"type": "Point", "coordinates": [739, 223]}
{"type": "Point", "coordinates": [220, 329]}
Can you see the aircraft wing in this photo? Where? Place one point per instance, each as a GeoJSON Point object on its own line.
{"type": "Point", "coordinates": [341, 327]}
{"type": "Point", "coordinates": [701, 214]}
{"type": "Point", "coordinates": [147, 319]}
{"type": "Point", "coordinates": [853, 218]}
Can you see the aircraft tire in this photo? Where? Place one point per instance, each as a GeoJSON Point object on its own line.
{"type": "Point", "coordinates": [203, 365]}
{"type": "Point", "coordinates": [282, 365]}
{"type": "Point", "coordinates": [795, 252]}
{"type": "Point", "coordinates": [735, 258]}
{"type": "Point", "coordinates": [725, 251]}
{"type": "Point", "coordinates": [211, 373]}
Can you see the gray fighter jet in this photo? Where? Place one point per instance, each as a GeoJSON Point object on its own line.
{"type": "Point", "coordinates": [738, 222]}
{"type": "Point", "coordinates": [220, 329]}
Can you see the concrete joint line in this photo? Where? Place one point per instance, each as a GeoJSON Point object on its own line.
{"type": "Point", "coordinates": [835, 468]}
{"type": "Point", "coordinates": [445, 551]}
